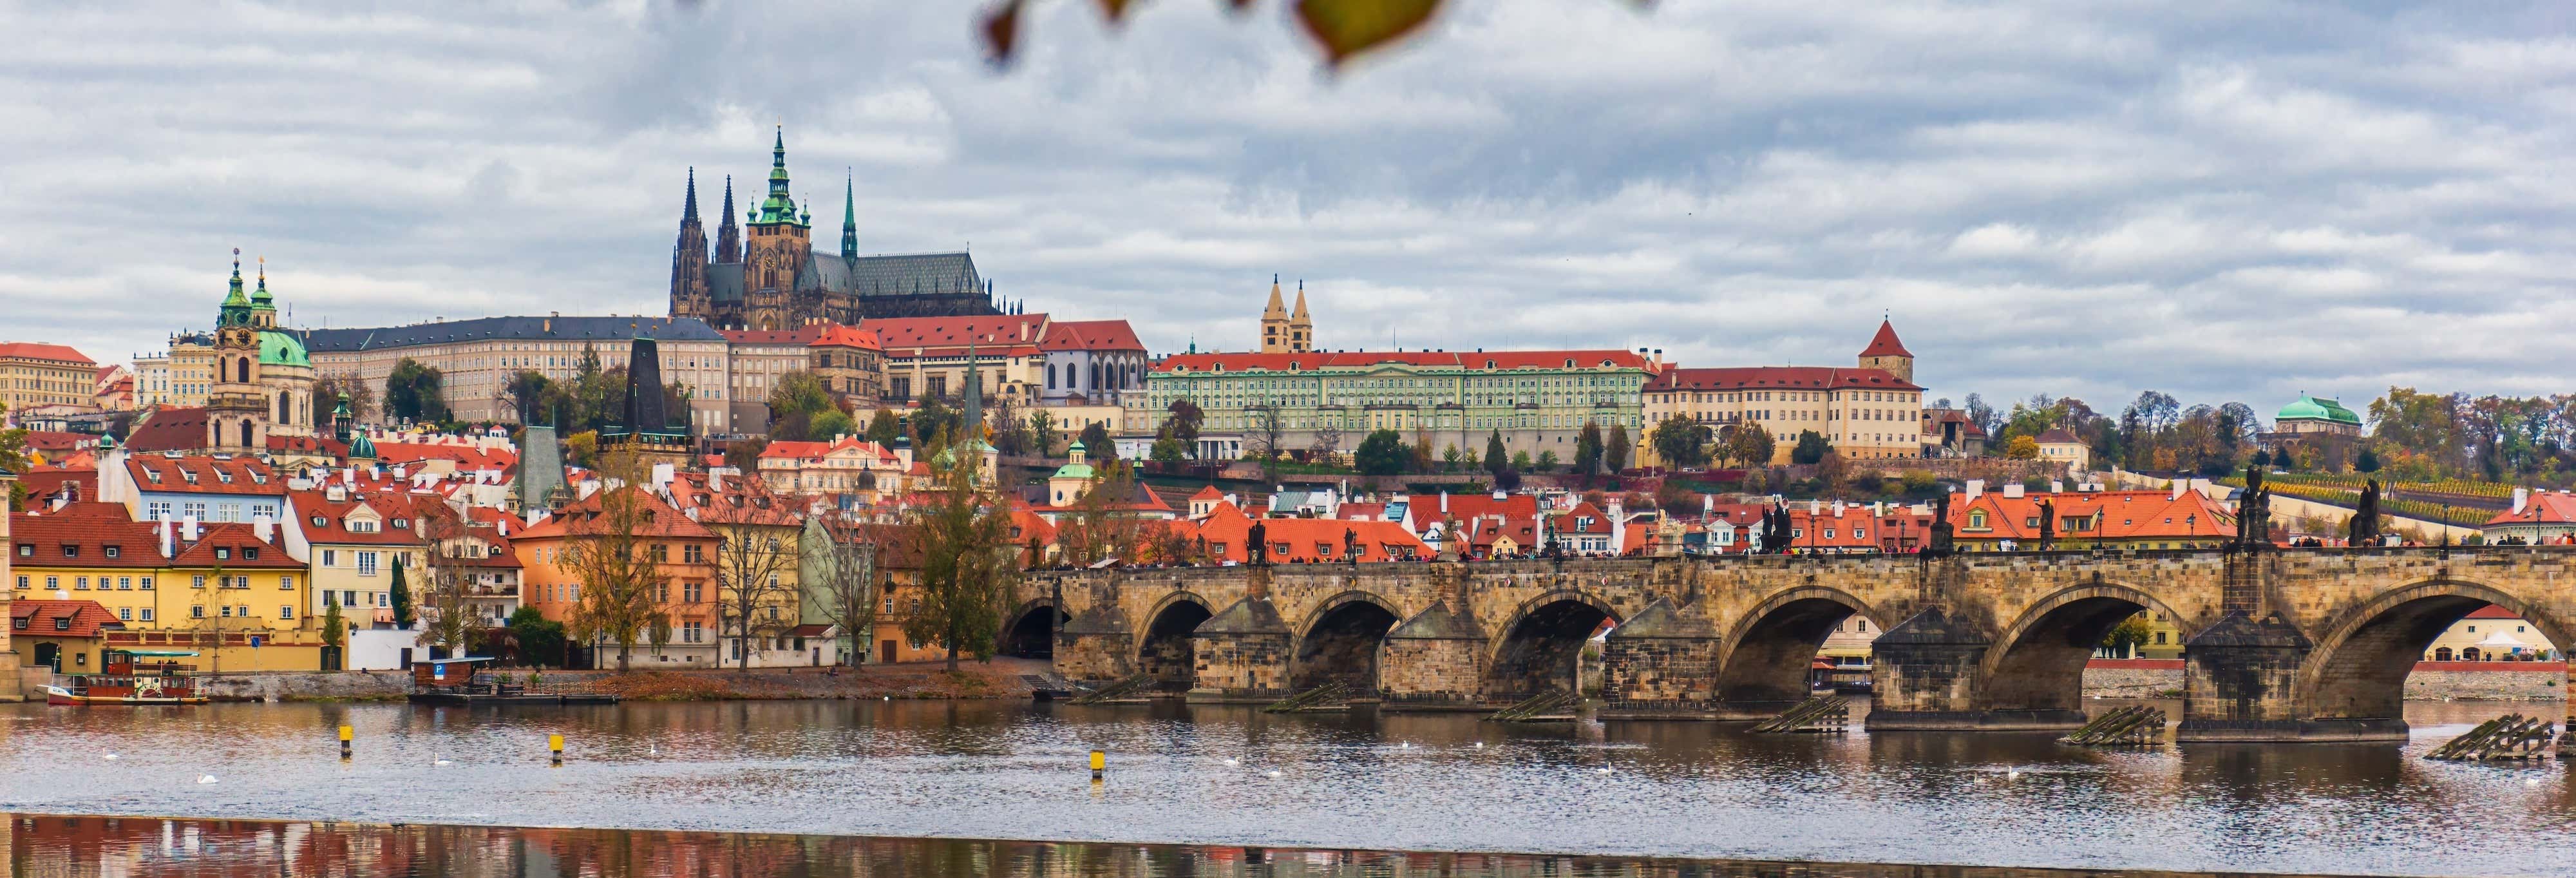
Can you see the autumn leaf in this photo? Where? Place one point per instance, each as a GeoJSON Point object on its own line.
{"type": "Point", "coordinates": [1002, 32]}
{"type": "Point", "coordinates": [1350, 27]}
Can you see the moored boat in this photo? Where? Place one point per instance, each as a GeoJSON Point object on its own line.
{"type": "Point", "coordinates": [131, 677]}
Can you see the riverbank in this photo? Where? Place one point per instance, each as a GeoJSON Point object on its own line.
{"type": "Point", "coordinates": [999, 678]}
{"type": "Point", "coordinates": [2430, 681]}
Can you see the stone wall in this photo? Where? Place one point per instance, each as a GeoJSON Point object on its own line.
{"type": "Point", "coordinates": [2431, 681]}
{"type": "Point", "coordinates": [307, 686]}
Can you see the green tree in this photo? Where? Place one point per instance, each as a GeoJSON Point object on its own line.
{"type": "Point", "coordinates": [1382, 453]}
{"type": "Point", "coordinates": [1095, 441]}
{"type": "Point", "coordinates": [14, 459]}
{"type": "Point", "coordinates": [1449, 459]}
{"type": "Point", "coordinates": [401, 589]}
{"type": "Point", "coordinates": [1042, 433]}
{"type": "Point", "coordinates": [884, 427]}
{"type": "Point", "coordinates": [1748, 445]}
{"type": "Point", "coordinates": [1677, 442]}
{"type": "Point", "coordinates": [1496, 459]}
{"type": "Point", "coordinates": [1546, 461]}
{"type": "Point", "coordinates": [1166, 451]}
{"type": "Point", "coordinates": [1184, 421]}
{"type": "Point", "coordinates": [2132, 632]}
{"type": "Point", "coordinates": [526, 393]}
{"type": "Point", "coordinates": [1614, 451]}
{"type": "Point", "coordinates": [1587, 449]}
{"type": "Point", "coordinates": [335, 630]}
{"type": "Point", "coordinates": [1811, 448]}
{"type": "Point", "coordinates": [1521, 460]}
{"type": "Point", "coordinates": [413, 392]}
{"type": "Point", "coordinates": [831, 423]}
{"type": "Point", "coordinates": [968, 564]}
{"type": "Point", "coordinates": [2367, 461]}
{"type": "Point", "coordinates": [931, 420]}
{"type": "Point", "coordinates": [797, 399]}
{"type": "Point", "coordinates": [541, 640]}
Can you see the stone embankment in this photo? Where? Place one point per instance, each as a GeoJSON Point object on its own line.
{"type": "Point", "coordinates": [2431, 681]}
{"type": "Point", "coordinates": [1000, 678]}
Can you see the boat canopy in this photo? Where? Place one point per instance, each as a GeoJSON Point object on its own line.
{"type": "Point", "coordinates": [457, 660]}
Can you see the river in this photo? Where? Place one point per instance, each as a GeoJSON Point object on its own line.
{"type": "Point", "coordinates": [1231, 776]}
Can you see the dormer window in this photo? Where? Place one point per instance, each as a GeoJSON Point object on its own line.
{"type": "Point", "coordinates": [189, 474]}
{"type": "Point", "coordinates": [113, 551]}
{"type": "Point", "coordinates": [224, 476]}
{"type": "Point", "coordinates": [402, 524]}
{"type": "Point", "coordinates": [152, 475]}
{"type": "Point", "coordinates": [319, 521]}
{"type": "Point", "coordinates": [71, 551]}
{"type": "Point", "coordinates": [250, 553]}
{"type": "Point", "coordinates": [223, 554]}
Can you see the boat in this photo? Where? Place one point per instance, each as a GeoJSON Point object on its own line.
{"type": "Point", "coordinates": [131, 677]}
{"type": "Point", "coordinates": [455, 681]}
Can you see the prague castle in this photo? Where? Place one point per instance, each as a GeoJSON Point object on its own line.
{"type": "Point", "coordinates": [777, 279]}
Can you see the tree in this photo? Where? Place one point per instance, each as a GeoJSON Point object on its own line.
{"type": "Point", "coordinates": [335, 630]}
{"type": "Point", "coordinates": [413, 391]}
{"type": "Point", "coordinates": [1185, 418]}
{"type": "Point", "coordinates": [1382, 453]}
{"type": "Point", "coordinates": [841, 578]}
{"type": "Point", "coordinates": [331, 386]}
{"type": "Point", "coordinates": [1677, 442]}
{"type": "Point", "coordinates": [830, 424]}
{"type": "Point", "coordinates": [541, 640]}
{"type": "Point", "coordinates": [1010, 430]}
{"type": "Point", "coordinates": [1587, 449]}
{"type": "Point", "coordinates": [14, 459]}
{"type": "Point", "coordinates": [962, 534]}
{"type": "Point", "coordinates": [449, 622]}
{"type": "Point", "coordinates": [1095, 441]}
{"type": "Point", "coordinates": [619, 583]}
{"type": "Point", "coordinates": [744, 454]}
{"type": "Point", "coordinates": [526, 393]}
{"type": "Point", "coordinates": [1546, 461]}
{"type": "Point", "coordinates": [1042, 433]}
{"type": "Point", "coordinates": [1262, 440]}
{"type": "Point", "coordinates": [1811, 448]}
{"type": "Point", "coordinates": [1449, 459]}
{"type": "Point", "coordinates": [884, 427]}
{"type": "Point", "coordinates": [932, 419]}
{"type": "Point", "coordinates": [797, 398]}
{"type": "Point", "coordinates": [2131, 633]}
{"type": "Point", "coordinates": [1615, 450]}
{"type": "Point", "coordinates": [1984, 416]}
{"type": "Point", "coordinates": [1101, 526]}
{"type": "Point", "coordinates": [1328, 442]}
{"type": "Point", "coordinates": [1750, 446]}
{"type": "Point", "coordinates": [401, 595]}
{"type": "Point", "coordinates": [1496, 459]}
{"type": "Point", "coordinates": [754, 556]}
{"type": "Point", "coordinates": [2367, 461]}
{"type": "Point", "coordinates": [1166, 452]}
{"type": "Point", "coordinates": [1521, 460]}
{"type": "Point", "coordinates": [2021, 448]}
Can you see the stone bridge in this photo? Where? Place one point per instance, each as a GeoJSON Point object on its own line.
{"type": "Point", "coordinates": [2290, 644]}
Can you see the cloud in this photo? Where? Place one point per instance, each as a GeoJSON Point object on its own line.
{"type": "Point", "coordinates": [2219, 200]}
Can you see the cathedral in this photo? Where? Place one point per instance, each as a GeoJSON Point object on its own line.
{"type": "Point", "coordinates": [263, 380]}
{"type": "Point", "coordinates": [777, 279]}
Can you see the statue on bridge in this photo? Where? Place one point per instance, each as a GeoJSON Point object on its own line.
{"type": "Point", "coordinates": [2363, 529]}
{"type": "Point", "coordinates": [2254, 512]}
{"type": "Point", "coordinates": [1256, 545]}
{"type": "Point", "coordinates": [1351, 544]}
{"type": "Point", "coordinates": [2047, 525]}
{"type": "Point", "coordinates": [1939, 543]}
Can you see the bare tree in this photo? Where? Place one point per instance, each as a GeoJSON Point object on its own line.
{"type": "Point", "coordinates": [1268, 428]}
{"type": "Point", "coordinates": [448, 620]}
{"type": "Point", "coordinates": [842, 579]}
{"type": "Point", "coordinates": [620, 585]}
{"type": "Point", "coordinates": [1328, 441]}
{"type": "Point", "coordinates": [753, 557]}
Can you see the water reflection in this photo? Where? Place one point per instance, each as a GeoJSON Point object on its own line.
{"type": "Point", "coordinates": [49, 846]}
{"type": "Point", "coordinates": [1234, 776]}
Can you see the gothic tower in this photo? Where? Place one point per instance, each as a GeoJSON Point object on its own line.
{"type": "Point", "coordinates": [728, 235]}
{"type": "Point", "coordinates": [1888, 355]}
{"type": "Point", "coordinates": [689, 261]}
{"type": "Point", "coordinates": [850, 220]}
{"type": "Point", "coordinates": [1274, 322]}
{"type": "Point", "coordinates": [781, 242]}
{"type": "Point", "coordinates": [1301, 326]}
{"type": "Point", "coordinates": [236, 407]}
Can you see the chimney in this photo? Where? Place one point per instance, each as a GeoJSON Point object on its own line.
{"type": "Point", "coordinates": [715, 479]}
{"type": "Point", "coordinates": [502, 526]}
{"type": "Point", "coordinates": [662, 473]}
{"type": "Point", "coordinates": [2012, 490]}
{"type": "Point", "coordinates": [167, 550]}
{"type": "Point", "coordinates": [2179, 486]}
{"type": "Point", "coordinates": [1444, 502]}
{"type": "Point", "coordinates": [1707, 506]}
{"type": "Point", "coordinates": [188, 529]}
{"type": "Point", "coordinates": [1977, 488]}
{"type": "Point", "coordinates": [2521, 497]}
{"type": "Point", "coordinates": [262, 527]}
{"type": "Point", "coordinates": [2056, 487]}
{"type": "Point", "coordinates": [1618, 524]}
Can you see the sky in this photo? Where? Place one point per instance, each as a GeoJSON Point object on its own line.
{"type": "Point", "coordinates": [2238, 200]}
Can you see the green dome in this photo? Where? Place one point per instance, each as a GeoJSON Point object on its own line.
{"type": "Point", "coordinates": [280, 349]}
{"type": "Point", "coordinates": [362, 447]}
{"type": "Point", "coordinates": [2310, 408]}
{"type": "Point", "coordinates": [1073, 471]}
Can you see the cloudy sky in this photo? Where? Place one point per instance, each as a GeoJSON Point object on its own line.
{"type": "Point", "coordinates": [2222, 200]}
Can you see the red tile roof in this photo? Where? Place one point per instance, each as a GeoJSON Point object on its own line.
{"type": "Point", "coordinates": [332, 525]}
{"type": "Point", "coordinates": [468, 458]}
{"type": "Point", "coordinates": [1776, 377]}
{"type": "Point", "coordinates": [308, 445]}
{"type": "Point", "coordinates": [1423, 510]}
{"type": "Point", "coordinates": [1884, 344]}
{"type": "Point", "coordinates": [1309, 539]}
{"type": "Point", "coordinates": [1007, 333]}
{"type": "Point", "coordinates": [835, 335]}
{"type": "Point", "coordinates": [35, 617]}
{"type": "Point", "coordinates": [2492, 611]}
{"type": "Point", "coordinates": [1591, 359]}
{"type": "Point", "coordinates": [36, 350]}
{"type": "Point", "coordinates": [1090, 335]}
{"type": "Point", "coordinates": [585, 519]}
{"type": "Point", "coordinates": [2543, 508]}
{"type": "Point", "coordinates": [90, 529]}
{"type": "Point", "coordinates": [169, 429]}
{"type": "Point", "coordinates": [51, 440]}
{"type": "Point", "coordinates": [204, 474]}
{"type": "Point", "coordinates": [2124, 515]}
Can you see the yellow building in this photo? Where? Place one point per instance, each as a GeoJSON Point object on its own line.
{"type": "Point", "coordinates": [2491, 634]}
{"type": "Point", "coordinates": [230, 591]}
{"type": "Point", "coordinates": [757, 537]}
{"type": "Point", "coordinates": [1870, 412]}
{"type": "Point", "coordinates": [351, 545]}
{"type": "Point", "coordinates": [37, 374]}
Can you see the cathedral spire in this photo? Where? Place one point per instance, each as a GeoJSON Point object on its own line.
{"type": "Point", "coordinates": [728, 235]}
{"type": "Point", "coordinates": [236, 307]}
{"type": "Point", "coordinates": [689, 214]}
{"type": "Point", "coordinates": [780, 206]}
{"type": "Point", "coordinates": [849, 216]}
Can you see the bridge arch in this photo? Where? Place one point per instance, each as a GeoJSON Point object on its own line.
{"type": "Point", "coordinates": [1341, 641]}
{"type": "Point", "coordinates": [1538, 650]}
{"type": "Point", "coordinates": [1766, 656]}
{"type": "Point", "coordinates": [1029, 631]}
{"type": "Point", "coordinates": [1164, 648]}
{"type": "Point", "coordinates": [2358, 667]}
{"type": "Point", "coordinates": [2037, 662]}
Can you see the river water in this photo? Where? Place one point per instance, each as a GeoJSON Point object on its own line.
{"type": "Point", "coordinates": [1230, 776]}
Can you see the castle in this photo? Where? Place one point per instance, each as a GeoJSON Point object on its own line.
{"type": "Point", "coordinates": [777, 279]}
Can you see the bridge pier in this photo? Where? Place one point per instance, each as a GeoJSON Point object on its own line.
{"type": "Point", "coordinates": [1924, 675]}
{"type": "Point", "coordinates": [1433, 661]}
{"type": "Point", "coordinates": [1662, 664]}
{"type": "Point", "coordinates": [1242, 654]}
{"type": "Point", "coordinates": [2241, 683]}
{"type": "Point", "coordinates": [1096, 647]}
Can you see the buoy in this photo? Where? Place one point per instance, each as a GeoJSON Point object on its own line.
{"type": "Point", "coordinates": [1273, 772]}
{"type": "Point", "coordinates": [1099, 763]}
{"type": "Point", "coordinates": [554, 748]}
{"type": "Point", "coordinates": [109, 757]}
{"type": "Point", "coordinates": [346, 734]}
{"type": "Point", "coordinates": [205, 778]}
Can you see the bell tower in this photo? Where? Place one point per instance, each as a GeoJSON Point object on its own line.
{"type": "Point", "coordinates": [236, 407]}
{"type": "Point", "coordinates": [1274, 323]}
{"type": "Point", "coordinates": [781, 241]}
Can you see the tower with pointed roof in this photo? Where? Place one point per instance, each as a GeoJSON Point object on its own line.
{"type": "Point", "coordinates": [780, 246]}
{"type": "Point", "coordinates": [689, 260]}
{"type": "Point", "coordinates": [1274, 322]}
{"type": "Point", "coordinates": [728, 235]}
{"type": "Point", "coordinates": [236, 406]}
{"type": "Point", "coordinates": [1887, 354]}
{"type": "Point", "coordinates": [850, 219]}
{"type": "Point", "coordinates": [1301, 325]}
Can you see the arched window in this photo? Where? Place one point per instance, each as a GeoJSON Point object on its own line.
{"type": "Point", "coordinates": [245, 434]}
{"type": "Point", "coordinates": [2442, 655]}
{"type": "Point", "coordinates": [243, 365]}
{"type": "Point", "coordinates": [285, 409]}
{"type": "Point", "coordinates": [2469, 653]}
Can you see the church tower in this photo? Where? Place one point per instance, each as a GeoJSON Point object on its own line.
{"type": "Point", "coordinates": [689, 260]}
{"type": "Point", "coordinates": [781, 242]}
{"type": "Point", "coordinates": [1274, 323]}
{"type": "Point", "coordinates": [236, 407]}
{"type": "Point", "coordinates": [728, 235]}
{"type": "Point", "coordinates": [850, 220]}
{"type": "Point", "coordinates": [1301, 326]}
{"type": "Point", "coordinates": [1888, 355]}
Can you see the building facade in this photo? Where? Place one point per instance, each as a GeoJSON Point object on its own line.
{"type": "Point", "coordinates": [232, 592]}
{"type": "Point", "coordinates": [1283, 332]}
{"type": "Point", "coordinates": [477, 358]}
{"type": "Point", "coordinates": [776, 279]}
{"type": "Point", "coordinates": [1537, 400]}
{"type": "Point", "coordinates": [1870, 412]}
{"type": "Point", "coordinates": [39, 374]}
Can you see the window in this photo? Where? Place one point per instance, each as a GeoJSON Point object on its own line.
{"type": "Point", "coordinates": [201, 582]}
{"type": "Point", "coordinates": [123, 583]}
{"type": "Point", "coordinates": [250, 553]}
{"type": "Point", "coordinates": [147, 614]}
{"type": "Point", "coordinates": [367, 563]}
{"type": "Point", "coordinates": [285, 611]}
{"type": "Point", "coordinates": [26, 550]}
{"type": "Point", "coordinates": [694, 553]}
{"type": "Point", "coordinates": [70, 551]}
{"type": "Point", "coordinates": [691, 591]}
{"type": "Point", "coordinates": [285, 583]}
{"type": "Point", "coordinates": [125, 614]}
{"type": "Point", "coordinates": [197, 612]}
{"type": "Point", "coordinates": [226, 611]}
{"type": "Point", "coordinates": [223, 553]}
{"type": "Point", "coordinates": [661, 553]}
{"type": "Point", "coordinates": [112, 551]}
{"type": "Point", "coordinates": [330, 557]}
{"type": "Point", "coordinates": [81, 583]}
{"type": "Point", "coordinates": [22, 583]}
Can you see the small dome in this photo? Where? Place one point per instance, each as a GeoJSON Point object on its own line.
{"type": "Point", "coordinates": [2310, 408]}
{"type": "Point", "coordinates": [280, 349]}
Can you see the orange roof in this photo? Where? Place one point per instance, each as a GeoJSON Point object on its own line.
{"type": "Point", "coordinates": [323, 520]}
{"type": "Point", "coordinates": [1776, 377]}
{"type": "Point", "coordinates": [996, 333]}
{"type": "Point", "coordinates": [204, 475]}
{"type": "Point", "coordinates": [467, 457]}
{"type": "Point", "coordinates": [2492, 611]}
{"type": "Point", "coordinates": [835, 335]}
{"type": "Point", "coordinates": [87, 617]}
{"type": "Point", "coordinates": [2122, 515]}
{"type": "Point", "coordinates": [1884, 344]}
{"type": "Point", "coordinates": [1310, 539]}
{"type": "Point", "coordinates": [1498, 360]}
{"type": "Point", "coordinates": [1090, 335]}
{"type": "Point", "coordinates": [584, 519]}
{"type": "Point", "coordinates": [1424, 509]}
{"type": "Point", "coordinates": [36, 350]}
{"type": "Point", "coordinates": [2544, 508]}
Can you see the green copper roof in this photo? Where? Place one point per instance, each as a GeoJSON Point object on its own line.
{"type": "Point", "coordinates": [236, 308]}
{"type": "Point", "coordinates": [2315, 409]}
{"type": "Point", "coordinates": [779, 207]}
{"type": "Point", "coordinates": [280, 349]}
{"type": "Point", "coordinates": [359, 447]}
{"type": "Point", "coordinates": [1073, 471]}
{"type": "Point", "coordinates": [260, 300]}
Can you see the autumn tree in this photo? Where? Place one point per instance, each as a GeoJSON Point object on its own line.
{"type": "Point", "coordinates": [755, 554]}
{"type": "Point", "coordinates": [840, 577]}
{"type": "Point", "coordinates": [962, 535]}
{"type": "Point", "coordinates": [447, 620]}
{"type": "Point", "coordinates": [620, 584]}
{"type": "Point", "coordinates": [1677, 442]}
{"type": "Point", "coordinates": [884, 427]}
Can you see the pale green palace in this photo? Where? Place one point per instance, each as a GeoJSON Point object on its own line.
{"type": "Point", "coordinates": [1538, 400]}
